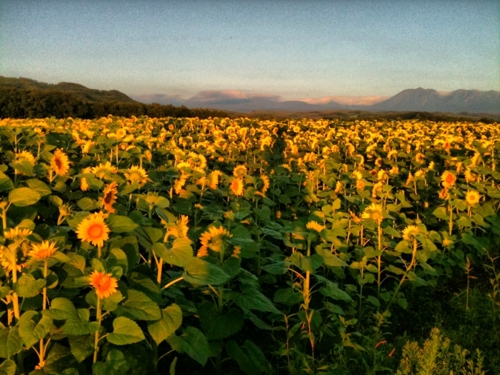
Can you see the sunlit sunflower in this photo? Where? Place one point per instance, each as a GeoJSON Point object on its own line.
{"type": "Point", "coordinates": [60, 163]}
{"type": "Point", "coordinates": [25, 156]}
{"type": "Point", "coordinates": [179, 229]}
{"type": "Point", "coordinates": [214, 238]}
{"type": "Point", "coordinates": [240, 171]}
{"type": "Point", "coordinates": [314, 225]}
{"type": "Point", "coordinates": [236, 252]}
{"type": "Point", "coordinates": [410, 232]}
{"type": "Point", "coordinates": [137, 174]}
{"type": "Point", "coordinates": [86, 146]}
{"type": "Point", "coordinates": [6, 256]}
{"type": "Point", "coordinates": [472, 197]}
{"type": "Point", "coordinates": [375, 212]}
{"type": "Point", "coordinates": [237, 186]}
{"type": "Point", "coordinates": [357, 175]}
{"type": "Point", "coordinates": [448, 179]}
{"type": "Point", "coordinates": [103, 283]}
{"type": "Point", "coordinates": [42, 251]}
{"type": "Point", "coordinates": [265, 183]}
{"type": "Point", "coordinates": [17, 234]}
{"type": "Point", "coordinates": [180, 182]}
{"type": "Point", "coordinates": [213, 179]}
{"type": "Point", "coordinates": [360, 184]}
{"type": "Point", "coordinates": [84, 185]}
{"type": "Point", "coordinates": [444, 194]}
{"type": "Point", "coordinates": [93, 229]}
{"type": "Point", "coordinates": [469, 176]}
{"type": "Point", "coordinates": [109, 196]}
{"type": "Point", "coordinates": [104, 170]}
{"type": "Point", "coordinates": [338, 187]}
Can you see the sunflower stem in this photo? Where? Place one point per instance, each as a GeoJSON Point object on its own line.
{"type": "Point", "coordinates": [96, 337]}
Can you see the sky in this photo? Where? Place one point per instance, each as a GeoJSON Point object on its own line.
{"type": "Point", "coordinates": [285, 48]}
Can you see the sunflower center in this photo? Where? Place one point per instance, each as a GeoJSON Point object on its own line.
{"type": "Point", "coordinates": [58, 163]}
{"type": "Point", "coordinates": [95, 231]}
{"type": "Point", "coordinates": [108, 198]}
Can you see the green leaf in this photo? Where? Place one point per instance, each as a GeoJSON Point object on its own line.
{"type": "Point", "coordinates": [263, 213]}
{"type": "Point", "coordinates": [121, 224]}
{"type": "Point", "coordinates": [253, 299]}
{"type": "Point", "coordinates": [200, 272]}
{"type": "Point", "coordinates": [403, 247]}
{"type": "Point", "coordinates": [5, 182]}
{"type": "Point", "coordinates": [193, 343]}
{"type": "Point", "coordinates": [171, 320]}
{"type": "Point", "coordinates": [23, 197]}
{"type": "Point", "coordinates": [10, 342]}
{"type": "Point", "coordinates": [180, 254]}
{"type": "Point", "coordinates": [33, 327]}
{"type": "Point", "coordinates": [441, 213]}
{"type": "Point", "coordinates": [115, 364]}
{"type": "Point", "coordinates": [217, 326]}
{"type": "Point", "coordinates": [81, 346]}
{"type": "Point", "coordinates": [125, 331]}
{"type": "Point", "coordinates": [28, 287]}
{"type": "Point", "coordinates": [330, 259]}
{"type": "Point", "coordinates": [61, 309]}
{"type": "Point", "coordinates": [139, 306]}
{"type": "Point", "coordinates": [249, 357]}
{"type": "Point", "coordinates": [88, 204]}
{"type": "Point", "coordinates": [41, 187]}
{"type": "Point", "coordinates": [287, 297]}
{"type": "Point", "coordinates": [8, 367]}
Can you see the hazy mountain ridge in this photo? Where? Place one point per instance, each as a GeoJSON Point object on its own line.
{"type": "Point", "coordinates": [424, 100]}
{"type": "Point", "coordinates": [79, 91]}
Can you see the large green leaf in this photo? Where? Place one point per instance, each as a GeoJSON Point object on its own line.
{"type": "Point", "coordinates": [61, 309]}
{"type": "Point", "coordinates": [5, 182]}
{"type": "Point", "coordinates": [27, 286]}
{"type": "Point", "coordinates": [217, 326]}
{"type": "Point", "coordinates": [180, 254]}
{"type": "Point", "coordinates": [10, 342]}
{"type": "Point", "coordinates": [40, 187]}
{"type": "Point", "coordinates": [200, 272]}
{"type": "Point", "coordinates": [193, 343]}
{"type": "Point", "coordinates": [171, 320]}
{"type": "Point", "coordinates": [249, 357]}
{"type": "Point", "coordinates": [125, 332]}
{"type": "Point", "coordinates": [8, 367]}
{"type": "Point", "coordinates": [139, 306]}
{"type": "Point", "coordinates": [121, 224]}
{"type": "Point", "coordinates": [253, 299]}
{"type": "Point", "coordinates": [116, 364]}
{"type": "Point", "coordinates": [81, 346]}
{"type": "Point", "coordinates": [23, 197]}
{"type": "Point", "coordinates": [33, 327]}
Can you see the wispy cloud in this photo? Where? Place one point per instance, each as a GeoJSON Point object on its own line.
{"type": "Point", "coordinates": [216, 95]}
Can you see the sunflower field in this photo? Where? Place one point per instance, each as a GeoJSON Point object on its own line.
{"type": "Point", "coordinates": [229, 246]}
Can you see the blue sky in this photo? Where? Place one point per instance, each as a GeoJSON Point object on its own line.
{"type": "Point", "coordinates": [293, 49]}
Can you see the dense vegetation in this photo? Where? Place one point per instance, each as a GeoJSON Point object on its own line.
{"type": "Point", "coordinates": [25, 98]}
{"type": "Point", "coordinates": [148, 245]}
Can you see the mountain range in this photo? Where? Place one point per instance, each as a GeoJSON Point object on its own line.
{"type": "Point", "coordinates": [423, 100]}
{"type": "Point", "coordinates": [426, 100]}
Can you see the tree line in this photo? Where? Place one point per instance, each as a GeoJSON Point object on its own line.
{"type": "Point", "coordinates": [22, 103]}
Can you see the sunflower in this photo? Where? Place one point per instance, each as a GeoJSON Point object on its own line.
{"type": "Point", "coordinates": [410, 232]}
{"type": "Point", "coordinates": [180, 182]}
{"type": "Point", "coordinates": [16, 234]}
{"type": "Point", "coordinates": [25, 156]}
{"type": "Point", "coordinates": [86, 147]}
{"type": "Point", "coordinates": [444, 194]}
{"type": "Point", "coordinates": [84, 185]}
{"type": "Point", "coordinates": [237, 186]}
{"type": "Point", "coordinates": [360, 184]}
{"type": "Point", "coordinates": [6, 254]}
{"type": "Point", "coordinates": [448, 179]}
{"type": "Point", "coordinates": [109, 197]}
{"type": "Point", "coordinates": [265, 183]}
{"type": "Point", "coordinates": [42, 251]}
{"type": "Point", "coordinates": [240, 171]}
{"type": "Point", "coordinates": [314, 225]}
{"type": "Point", "coordinates": [104, 284]}
{"type": "Point", "coordinates": [213, 239]}
{"type": "Point", "coordinates": [104, 170]}
{"type": "Point", "coordinates": [375, 212]}
{"type": "Point", "coordinates": [93, 229]}
{"type": "Point", "coordinates": [178, 230]}
{"type": "Point", "coordinates": [357, 175]}
{"type": "Point", "coordinates": [469, 176]}
{"type": "Point", "coordinates": [137, 174]}
{"type": "Point", "coordinates": [338, 187]}
{"type": "Point", "coordinates": [472, 197]}
{"type": "Point", "coordinates": [60, 163]}
{"type": "Point", "coordinates": [213, 179]}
